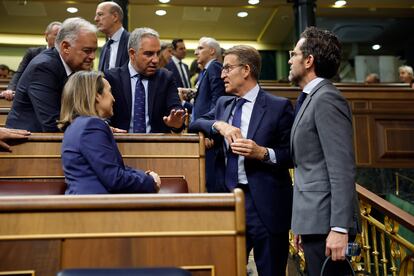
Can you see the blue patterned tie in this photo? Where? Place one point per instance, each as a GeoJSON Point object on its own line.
{"type": "Point", "coordinates": [232, 167]}
{"type": "Point", "coordinates": [139, 107]}
{"type": "Point", "coordinates": [299, 102]}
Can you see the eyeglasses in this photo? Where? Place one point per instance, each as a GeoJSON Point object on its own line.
{"type": "Point", "coordinates": [228, 68]}
{"type": "Point", "coordinates": [293, 54]}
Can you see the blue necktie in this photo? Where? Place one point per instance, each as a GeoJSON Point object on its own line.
{"type": "Point", "coordinates": [139, 107]}
{"type": "Point", "coordinates": [232, 167]}
{"type": "Point", "coordinates": [107, 56]}
{"type": "Point", "coordinates": [299, 102]}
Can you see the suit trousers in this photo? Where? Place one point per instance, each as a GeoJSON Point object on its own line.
{"type": "Point", "coordinates": [314, 249]}
{"type": "Point", "coordinates": [270, 250]}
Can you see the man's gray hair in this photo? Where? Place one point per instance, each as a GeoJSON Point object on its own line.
{"type": "Point", "coordinates": [51, 25]}
{"type": "Point", "coordinates": [70, 30]}
{"type": "Point", "coordinates": [138, 34]}
{"type": "Point", "coordinates": [212, 43]}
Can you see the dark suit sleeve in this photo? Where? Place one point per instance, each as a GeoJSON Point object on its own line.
{"type": "Point", "coordinates": [334, 124]}
{"type": "Point", "coordinates": [173, 101]}
{"type": "Point", "coordinates": [45, 94]}
{"type": "Point", "coordinates": [282, 150]}
{"type": "Point", "coordinates": [216, 84]}
{"type": "Point", "coordinates": [22, 66]}
{"type": "Point", "coordinates": [97, 146]}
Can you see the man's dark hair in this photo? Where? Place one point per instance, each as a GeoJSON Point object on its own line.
{"type": "Point", "coordinates": [4, 67]}
{"type": "Point", "coordinates": [325, 48]}
{"type": "Point", "coordinates": [176, 41]}
{"type": "Point", "coordinates": [247, 55]}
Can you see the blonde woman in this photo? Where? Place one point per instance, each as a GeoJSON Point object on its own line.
{"type": "Point", "coordinates": [91, 161]}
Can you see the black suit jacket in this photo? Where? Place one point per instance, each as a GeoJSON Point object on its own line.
{"type": "Point", "coordinates": [269, 126]}
{"type": "Point", "coordinates": [122, 56]}
{"type": "Point", "coordinates": [36, 105]}
{"type": "Point", "coordinates": [162, 98]}
{"type": "Point", "coordinates": [171, 67]}
{"type": "Point", "coordinates": [30, 54]}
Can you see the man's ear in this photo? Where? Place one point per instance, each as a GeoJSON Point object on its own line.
{"type": "Point", "coordinates": [64, 47]}
{"type": "Point", "coordinates": [309, 60]}
{"type": "Point", "coordinates": [246, 71]}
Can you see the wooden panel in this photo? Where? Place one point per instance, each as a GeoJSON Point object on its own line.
{"type": "Point", "coordinates": [40, 256]}
{"type": "Point", "coordinates": [202, 232]}
{"type": "Point", "coordinates": [362, 140]}
{"type": "Point", "coordinates": [139, 252]}
{"type": "Point", "coordinates": [5, 103]}
{"type": "Point", "coordinates": [395, 139]}
{"type": "Point", "coordinates": [166, 154]}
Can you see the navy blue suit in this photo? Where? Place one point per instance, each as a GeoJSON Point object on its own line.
{"type": "Point", "coordinates": [177, 77]}
{"type": "Point", "coordinates": [162, 98]}
{"type": "Point", "coordinates": [269, 185]}
{"type": "Point", "coordinates": [93, 164]}
{"type": "Point", "coordinates": [30, 54]}
{"type": "Point", "coordinates": [122, 56]}
{"type": "Point", "coordinates": [210, 88]}
{"type": "Point", "coordinates": [36, 105]}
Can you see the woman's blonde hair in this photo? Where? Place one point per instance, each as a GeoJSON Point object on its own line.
{"type": "Point", "coordinates": [79, 96]}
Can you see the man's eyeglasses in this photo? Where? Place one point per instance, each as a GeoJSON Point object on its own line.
{"type": "Point", "coordinates": [228, 68]}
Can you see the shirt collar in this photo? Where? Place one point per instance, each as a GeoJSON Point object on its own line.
{"type": "Point", "coordinates": [252, 94]}
{"type": "Point", "coordinates": [117, 35]}
{"type": "Point", "coordinates": [67, 68]}
{"type": "Point", "coordinates": [175, 59]}
{"type": "Point", "coordinates": [208, 63]}
{"type": "Point", "coordinates": [132, 71]}
{"type": "Point", "coordinates": [311, 85]}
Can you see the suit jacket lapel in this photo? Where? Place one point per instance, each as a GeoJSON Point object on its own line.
{"type": "Point", "coordinates": [257, 114]}
{"type": "Point", "coordinates": [122, 45]}
{"type": "Point", "coordinates": [127, 90]}
{"type": "Point", "coordinates": [300, 113]}
{"type": "Point", "coordinates": [152, 90]}
{"type": "Point", "coordinates": [228, 109]}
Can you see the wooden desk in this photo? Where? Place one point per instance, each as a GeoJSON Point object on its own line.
{"type": "Point", "coordinates": [204, 233]}
{"type": "Point", "coordinates": [166, 154]}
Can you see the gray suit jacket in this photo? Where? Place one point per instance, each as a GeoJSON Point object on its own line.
{"type": "Point", "coordinates": [323, 154]}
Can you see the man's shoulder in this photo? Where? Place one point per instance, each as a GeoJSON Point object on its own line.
{"type": "Point", "coordinates": [163, 74]}
{"type": "Point", "coordinates": [215, 66]}
{"type": "Point", "coordinates": [116, 72]}
{"type": "Point", "coordinates": [170, 65]}
{"type": "Point", "coordinates": [269, 98]}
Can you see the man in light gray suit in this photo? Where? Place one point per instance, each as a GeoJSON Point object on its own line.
{"type": "Point", "coordinates": [324, 203]}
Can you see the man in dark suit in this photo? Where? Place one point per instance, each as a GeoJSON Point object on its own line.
{"type": "Point", "coordinates": [36, 105]}
{"type": "Point", "coordinates": [210, 86]}
{"type": "Point", "coordinates": [325, 206]}
{"type": "Point", "coordinates": [251, 133]}
{"type": "Point", "coordinates": [176, 66]}
{"type": "Point", "coordinates": [146, 98]}
{"type": "Point", "coordinates": [50, 35]}
{"type": "Point", "coordinates": [108, 20]}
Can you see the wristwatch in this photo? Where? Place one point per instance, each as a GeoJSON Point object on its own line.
{"type": "Point", "coordinates": [266, 156]}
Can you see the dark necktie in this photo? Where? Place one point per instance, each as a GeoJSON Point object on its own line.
{"type": "Point", "coordinates": [299, 102]}
{"type": "Point", "coordinates": [107, 56]}
{"type": "Point", "coordinates": [139, 107]}
{"type": "Point", "coordinates": [232, 167]}
{"type": "Point", "coordinates": [184, 78]}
